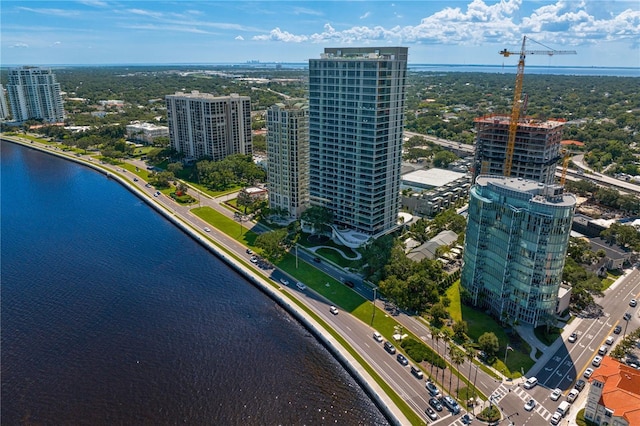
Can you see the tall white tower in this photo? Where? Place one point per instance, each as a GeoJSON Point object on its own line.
{"type": "Point", "coordinates": [34, 93]}
{"type": "Point", "coordinates": [356, 119]}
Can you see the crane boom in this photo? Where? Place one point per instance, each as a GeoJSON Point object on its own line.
{"type": "Point", "coordinates": [517, 94]}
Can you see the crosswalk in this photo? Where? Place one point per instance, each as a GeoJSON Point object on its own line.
{"type": "Point", "coordinates": [502, 390]}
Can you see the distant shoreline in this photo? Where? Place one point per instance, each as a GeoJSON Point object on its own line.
{"type": "Point", "coordinates": [510, 68]}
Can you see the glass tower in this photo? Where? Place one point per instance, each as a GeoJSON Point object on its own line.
{"type": "Point", "coordinates": [356, 120]}
{"type": "Point", "coordinates": [515, 246]}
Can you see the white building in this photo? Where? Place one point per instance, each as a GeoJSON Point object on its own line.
{"type": "Point", "coordinates": [288, 157]}
{"type": "Point", "coordinates": [202, 125]}
{"type": "Point", "coordinates": [146, 132]}
{"type": "Point", "coordinates": [4, 108]}
{"type": "Point", "coordinates": [34, 93]}
{"type": "Point", "coordinates": [356, 120]}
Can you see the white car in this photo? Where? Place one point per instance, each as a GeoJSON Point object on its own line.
{"type": "Point", "coordinates": [596, 361]}
{"type": "Point", "coordinates": [530, 383]}
{"type": "Point", "coordinates": [377, 336]}
{"type": "Point", "coordinates": [254, 259]}
{"type": "Point", "coordinates": [207, 229]}
{"type": "Point", "coordinates": [333, 310]}
{"type": "Point", "coordinates": [588, 372]}
{"type": "Point", "coordinates": [556, 394]}
{"type": "Point", "coordinates": [573, 395]}
{"type": "Point", "coordinates": [555, 419]}
{"type": "Point", "coordinates": [530, 405]}
{"type": "Point", "coordinates": [301, 286]}
{"type": "Point", "coordinates": [284, 281]}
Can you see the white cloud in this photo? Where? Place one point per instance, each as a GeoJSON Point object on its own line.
{"type": "Point", "coordinates": [239, 38]}
{"type": "Point", "coordinates": [53, 12]}
{"type": "Point", "coordinates": [96, 3]}
{"type": "Point", "coordinates": [366, 15]}
{"type": "Point", "coordinates": [305, 11]}
{"type": "Point", "coordinates": [20, 45]}
{"type": "Point", "coordinates": [479, 23]}
{"type": "Point", "coordinates": [55, 43]}
{"type": "Point", "coordinates": [278, 35]}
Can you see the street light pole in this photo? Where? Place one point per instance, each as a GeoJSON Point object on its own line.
{"type": "Point", "coordinates": [373, 314]}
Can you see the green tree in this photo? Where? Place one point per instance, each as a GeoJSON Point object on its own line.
{"type": "Point", "coordinates": [444, 158]}
{"type": "Point", "coordinates": [273, 244]}
{"type": "Point", "coordinates": [318, 217]}
{"type": "Point", "coordinates": [438, 313]}
{"type": "Point", "coordinates": [488, 342]}
{"type": "Point", "coordinates": [460, 329]}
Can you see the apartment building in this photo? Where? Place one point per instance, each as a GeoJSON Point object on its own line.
{"type": "Point", "coordinates": [34, 93]}
{"type": "Point", "coordinates": [515, 246]}
{"type": "Point", "coordinates": [288, 157]}
{"type": "Point", "coordinates": [614, 395]}
{"type": "Point", "coordinates": [356, 119]}
{"type": "Point", "coordinates": [4, 107]}
{"type": "Point", "coordinates": [536, 150]}
{"type": "Point", "coordinates": [145, 132]}
{"type": "Point", "coordinates": [204, 126]}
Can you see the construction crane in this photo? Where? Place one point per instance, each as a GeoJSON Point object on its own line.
{"type": "Point", "coordinates": [517, 94]}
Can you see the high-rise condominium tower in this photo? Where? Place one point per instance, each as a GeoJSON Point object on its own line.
{"type": "Point", "coordinates": [288, 156]}
{"type": "Point", "coordinates": [34, 93]}
{"type": "Point", "coordinates": [515, 245]}
{"type": "Point", "coordinates": [202, 125]}
{"type": "Point", "coordinates": [536, 150]}
{"type": "Point", "coordinates": [4, 107]}
{"type": "Point", "coordinates": [356, 119]}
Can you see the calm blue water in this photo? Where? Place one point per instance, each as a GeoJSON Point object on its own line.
{"type": "Point", "coordinates": [111, 316]}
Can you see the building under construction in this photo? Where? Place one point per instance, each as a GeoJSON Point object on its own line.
{"type": "Point", "coordinates": [536, 148]}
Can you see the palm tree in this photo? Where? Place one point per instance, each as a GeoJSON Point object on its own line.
{"type": "Point", "coordinates": [447, 340]}
{"type": "Point", "coordinates": [457, 358]}
{"type": "Point", "coordinates": [435, 335]}
{"type": "Point", "coordinates": [470, 354]}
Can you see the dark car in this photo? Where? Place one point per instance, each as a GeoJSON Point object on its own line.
{"type": "Point", "coordinates": [316, 259]}
{"type": "Point", "coordinates": [435, 404]}
{"type": "Point", "coordinates": [627, 316]}
{"type": "Point", "coordinates": [389, 347]}
{"type": "Point", "coordinates": [349, 284]}
{"type": "Point", "coordinates": [617, 330]}
{"type": "Point", "coordinates": [432, 414]}
{"type": "Point", "coordinates": [580, 385]}
{"type": "Point", "coordinates": [402, 359]}
{"type": "Point", "coordinates": [433, 389]}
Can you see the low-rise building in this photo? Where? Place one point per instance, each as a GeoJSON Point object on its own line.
{"type": "Point", "coordinates": [146, 132]}
{"type": "Point", "coordinates": [614, 395]}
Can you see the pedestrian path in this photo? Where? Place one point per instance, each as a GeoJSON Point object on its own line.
{"type": "Point", "coordinates": [521, 393]}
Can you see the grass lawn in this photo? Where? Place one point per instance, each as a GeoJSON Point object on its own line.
{"type": "Point", "coordinates": [517, 360]}
{"type": "Point", "coordinates": [455, 308]}
{"type": "Point", "coordinates": [228, 226]}
{"type": "Point", "coordinates": [335, 257]}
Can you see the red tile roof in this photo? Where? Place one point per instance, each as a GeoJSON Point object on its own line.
{"type": "Point", "coordinates": [621, 391]}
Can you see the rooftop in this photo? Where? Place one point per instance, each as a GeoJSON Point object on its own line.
{"type": "Point", "coordinates": [430, 178]}
{"type": "Point", "coordinates": [523, 122]}
{"type": "Point", "coordinates": [621, 391]}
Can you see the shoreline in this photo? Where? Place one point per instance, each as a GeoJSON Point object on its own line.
{"type": "Point", "coordinates": [382, 401]}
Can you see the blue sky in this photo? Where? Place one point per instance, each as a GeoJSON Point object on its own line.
{"type": "Point", "coordinates": [604, 33]}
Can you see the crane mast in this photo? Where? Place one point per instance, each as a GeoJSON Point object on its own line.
{"type": "Point", "coordinates": [517, 96]}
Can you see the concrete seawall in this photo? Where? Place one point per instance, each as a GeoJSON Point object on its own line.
{"type": "Point", "coordinates": [364, 379]}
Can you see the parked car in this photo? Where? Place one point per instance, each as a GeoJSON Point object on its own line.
{"type": "Point", "coordinates": [627, 316]}
{"type": "Point", "coordinates": [580, 384]}
{"type": "Point", "coordinates": [603, 350]}
{"type": "Point", "coordinates": [633, 303]}
{"type": "Point", "coordinates": [596, 361]}
{"type": "Point", "coordinates": [610, 340]}
{"type": "Point", "coordinates": [432, 414]}
{"type": "Point", "coordinates": [435, 404]}
{"type": "Point", "coordinates": [617, 330]}
{"type": "Point", "coordinates": [389, 347]}
{"type": "Point", "coordinates": [451, 404]}
{"type": "Point", "coordinates": [556, 394]}
{"type": "Point", "coordinates": [433, 389]}
{"type": "Point", "coordinates": [588, 372]}
{"type": "Point", "coordinates": [530, 405]}
{"type": "Point", "coordinates": [555, 419]}
{"type": "Point", "coordinates": [402, 359]}
{"type": "Point", "coordinates": [573, 395]}
{"type": "Point", "coordinates": [467, 419]}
